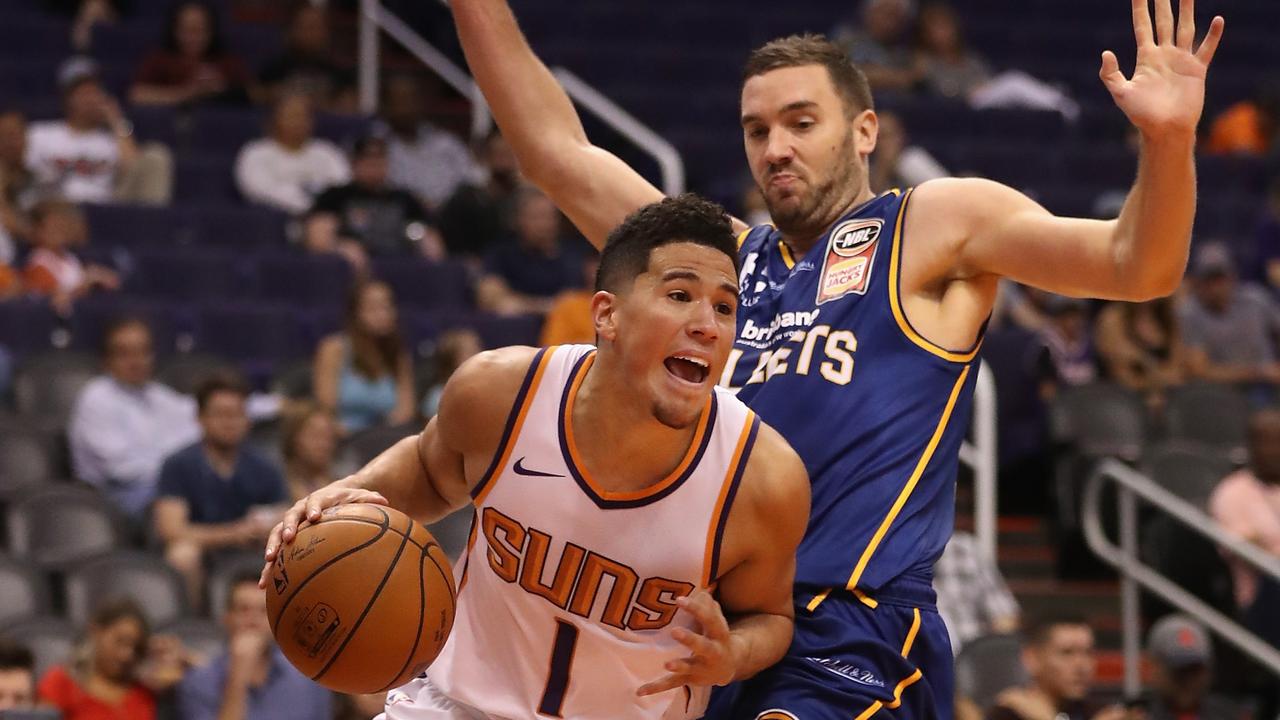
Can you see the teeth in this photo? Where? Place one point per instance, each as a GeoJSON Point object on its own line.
{"type": "Point", "coordinates": [695, 361]}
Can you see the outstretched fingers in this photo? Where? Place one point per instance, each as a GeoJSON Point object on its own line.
{"type": "Point", "coordinates": [1211, 40]}
{"type": "Point", "coordinates": [1164, 21]}
{"type": "Point", "coordinates": [1110, 72]}
{"type": "Point", "coordinates": [1187, 24]}
{"type": "Point", "coordinates": [1142, 31]}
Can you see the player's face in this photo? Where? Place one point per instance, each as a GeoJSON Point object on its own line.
{"type": "Point", "coordinates": [806, 155]}
{"type": "Point", "coordinates": [15, 689]}
{"type": "Point", "coordinates": [675, 327]}
{"type": "Point", "coordinates": [1064, 665]}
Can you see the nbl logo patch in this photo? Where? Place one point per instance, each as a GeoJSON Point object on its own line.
{"type": "Point", "coordinates": [851, 251]}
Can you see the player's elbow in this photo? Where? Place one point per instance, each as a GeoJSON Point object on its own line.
{"type": "Point", "coordinates": [1152, 284]}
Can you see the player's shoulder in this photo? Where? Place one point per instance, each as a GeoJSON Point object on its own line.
{"type": "Point", "coordinates": [480, 394]}
{"type": "Point", "coordinates": [947, 199]}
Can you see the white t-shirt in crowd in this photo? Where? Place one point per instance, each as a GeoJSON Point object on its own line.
{"type": "Point", "coordinates": [270, 174]}
{"type": "Point", "coordinates": [82, 166]}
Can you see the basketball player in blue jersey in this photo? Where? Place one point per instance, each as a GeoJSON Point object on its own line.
{"type": "Point", "coordinates": [861, 317]}
{"type": "Point", "coordinates": [612, 487]}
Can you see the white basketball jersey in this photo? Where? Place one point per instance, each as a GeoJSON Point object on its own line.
{"type": "Point", "coordinates": [566, 596]}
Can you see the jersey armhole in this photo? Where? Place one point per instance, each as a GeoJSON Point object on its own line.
{"type": "Point", "coordinates": [519, 410]}
{"type": "Point", "coordinates": [728, 493]}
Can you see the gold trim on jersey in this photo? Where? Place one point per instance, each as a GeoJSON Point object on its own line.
{"type": "Point", "coordinates": [576, 458]}
{"type": "Point", "coordinates": [911, 482]}
{"type": "Point", "coordinates": [895, 302]}
{"type": "Point", "coordinates": [910, 680]}
{"type": "Point", "coordinates": [742, 237]}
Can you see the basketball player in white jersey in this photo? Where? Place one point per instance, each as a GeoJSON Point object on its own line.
{"type": "Point", "coordinates": [613, 488]}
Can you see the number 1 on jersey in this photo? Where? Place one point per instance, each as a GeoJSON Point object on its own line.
{"type": "Point", "coordinates": [558, 677]}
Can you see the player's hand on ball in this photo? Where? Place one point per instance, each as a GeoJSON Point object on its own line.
{"type": "Point", "coordinates": [711, 659]}
{"type": "Point", "coordinates": [308, 509]}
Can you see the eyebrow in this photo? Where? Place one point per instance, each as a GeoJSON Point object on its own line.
{"type": "Point", "coordinates": [670, 275]}
{"type": "Point", "coordinates": [789, 107]}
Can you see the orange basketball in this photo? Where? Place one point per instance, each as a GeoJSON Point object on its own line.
{"type": "Point", "coordinates": [363, 600]}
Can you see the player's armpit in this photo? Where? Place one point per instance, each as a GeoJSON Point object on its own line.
{"type": "Point", "coordinates": [764, 530]}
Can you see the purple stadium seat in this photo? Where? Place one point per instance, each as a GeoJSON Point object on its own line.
{"type": "Point", "coordinates": [304, 280]}
{"type": "Point", "coordinates": [135, 226]}
{"type": "Point", "coordinates": [266, 332]}
{"type": "Point", "coordinates": [239, 226]}
{"type": "Point", "coordinates": [27, 325]}
{"type": "Point", "coordinates": [423, 284]}
{"type": "Point", "coordinates": [93, 315]}
{"type": "Point", "coordinates": [222, 131]}
{"type": "Point", "coordinates": [189, 274]}
{"type": "Point", "coordinates": [206, 180]}
{"type": "Point", "coordinates": [497, 331]}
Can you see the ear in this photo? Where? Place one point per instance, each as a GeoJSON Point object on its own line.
{"type": "Point", "coordinates": [604, 308]}
{"type": "Point", "coordinates": [1031, 661]}
{"type": "Point", "coordinates": [866, 128]}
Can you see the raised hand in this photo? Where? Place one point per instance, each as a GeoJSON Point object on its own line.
{"type": "Point", "coordinates": [711, 658]}
{"type": "Point", "coordinates": [308, 509]}
{"type": "Point", "coordinates": [1166, 93]}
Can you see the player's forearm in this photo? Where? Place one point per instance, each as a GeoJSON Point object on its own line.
{"type": "Point", "coordinates": [1153, 233]}
{"type": "Point", "coordinates": [399, 475]}
{"type": "Point", "coordinates": [535, 115]}
{"type": "Point", "coordinates": [759, 641]}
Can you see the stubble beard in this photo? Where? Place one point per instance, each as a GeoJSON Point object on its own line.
{"type": "Point", "coordinates": [820, 205]}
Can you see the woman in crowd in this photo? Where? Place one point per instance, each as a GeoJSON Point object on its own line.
{"type": "Point", "coordinates": [310, 443]}
{"type": "Point", "coordinates": [453, 348]}
{"type": "Point", "coordinates": [1141, 347]}
{"type": "Point", "coordinates": [364, 374]}
{"type": "Point", "coordinates": [118, 671]}
{"type": "Point", "coordinates": [193, 64]}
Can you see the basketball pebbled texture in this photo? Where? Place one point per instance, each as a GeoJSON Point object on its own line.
{"type": "Point", "coordinates": [363, 600]}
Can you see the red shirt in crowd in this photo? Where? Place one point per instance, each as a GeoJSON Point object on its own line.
{"type": "Point", "coordinates": [59, 689]}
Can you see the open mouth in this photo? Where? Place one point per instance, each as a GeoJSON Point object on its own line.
{"type": "Point", "coordinates": [688, 369]}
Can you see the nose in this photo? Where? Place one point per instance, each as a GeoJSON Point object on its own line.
{"type": "Point", "coordinates": [702, 323]}
{"type": "Point", "coordinates": [779, 151]}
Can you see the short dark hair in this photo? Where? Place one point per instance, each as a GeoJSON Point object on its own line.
{"type": "Point", "coordinates": [1039, 628]}
{"type": "Point", "coordinates": [241, 577]}
{"type": "Point", "coordinates": [811, 49]}
{"type": "Point", "coordinates": [217, 383]}
{"type": "Point", "coordinates": [116, 326]}
{"type": "Point", "coordinates": [14, 656]}
{"type": "Point", "coordinates": [686, 218]}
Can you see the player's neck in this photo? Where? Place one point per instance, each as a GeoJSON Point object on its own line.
{"type": "Point", "coordinates": [619, 439]}
{"type": "Point", "coordinates": [802, 242]}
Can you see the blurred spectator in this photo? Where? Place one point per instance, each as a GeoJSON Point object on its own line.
{"type": "Point", "coordinates": [452, 349]}
{"type": "Point", "coordinates": [17, 186]}
{"type": "Point", "coordinates": [193, 63]}
{"type": "Point", "coordinates": [1141, 347]}
{"type": "Point", "coordinates": [53, 268]}
{"type": "Point", "coordinates": [124, 423]}
{"type": "Point", "coordinates": [88, 15]}
{"type": "Point", "coordinates": [368, 216]}
{"type": "Point", "coordinates": [524, 276]}
{"type": "Point", "coordinates": [118, 671]}
{"type": "Point", "coordinates": [1230, 329]}
{"type": "Point", "coordinates": [479, 216]}
{"type": "Point", "coordinates": [950, 69]}
{"type": "Point", "coordinates": [6, 371]}
{"type": "Point", "coordinates": [1020, 306]}
{"type": "Point", "coordinates": [754, 210]}
{"type": "Point", "coordinates": [364, 374]}
{"type": "Point", "coordinates": [252, 680]}
{"type": "Point", "coordinates": [973, 597]}
{"type": "Point", "coordinates": [90, 156]}
{"type": "Point", "coordinates": [218, 493]}
{"type": "Point", "coordinates": [569, 320]}
{"type": "Point", "coordinates": [17, 677]}
{"type": "Point", "coordinates": [897, 163]}
{"type": "Point", "coordinates": [1247, 504]}
{"type": "Point", "coordinates": [309, 441]}
{"type": "Point", "coordinates": [430, 162]}
{"type": "Point", "coordinates": [307, 65]}
{"type": "Point", "coordinates": [1266, 250]}
{"type": "Point", "coordinates": [361, 707]}
{"type": "Point", "coordinates": [1060, 661]}
{"type": "Point", "coordinates": [1068, 341]}
{"type": "Point", "coordinates": [1249, 127]}
{"type": "Point", "coordinates": [880, 45]}
{"type": "Point", "coordinates": [289, 167]}
{"type": "Point", "coordinates": [1181, 673]}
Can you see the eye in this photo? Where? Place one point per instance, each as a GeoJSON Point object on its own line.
{"type": "Point", "coordinates": [678, 295]}
{"type": "Point", "coordinates": [724, 308]}
{"type": "Point", "coordinates": [757, 133]}
{"type": "Point", "coordinates": [805, 124]}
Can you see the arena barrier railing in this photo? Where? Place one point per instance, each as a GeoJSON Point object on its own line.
{"type": "Point", "coordinates": [1131, 487]}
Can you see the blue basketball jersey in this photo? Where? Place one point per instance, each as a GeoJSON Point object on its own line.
{"type": "Point", "coordinates": [826, 356]}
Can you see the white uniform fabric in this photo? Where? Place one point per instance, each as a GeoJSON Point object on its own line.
{"type": "Point", "coordinates": [567, 593]}
{"type": "Point", "coordinates": [81, 166]}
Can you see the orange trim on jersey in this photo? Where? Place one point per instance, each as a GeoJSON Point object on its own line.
{"type": "Point", "coordinates": [865, 599]}
{"type": "Point", "coordinates": [737, 459]}
{"type": "Point", "coordinates": [818, 600]}
{"type": "Point", "coordinates": [911, 482]}
{"type": "Point", "coordinates": [911, 634]}
{"type": "Point", "coordinates": [895, 303]}
{"type": "Point", "coordinates": [576, 458]}
{"type": "Point", "coordinates": [504, 453]}
{"type": "Point", "coordinates": [910, 680]}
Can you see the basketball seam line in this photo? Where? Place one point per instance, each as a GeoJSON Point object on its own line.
{"type": "Point", "coordinates": [412, 542]}
{"type": "Point", "coordinates": [404, 540]}
{"type": "Point", "coordinates": [417, 636]}
{"type": "Point", "coordinates": [347, 553]}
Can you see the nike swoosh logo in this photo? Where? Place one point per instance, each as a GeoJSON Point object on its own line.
{"type": "Point", "coordinates": [522, 470]}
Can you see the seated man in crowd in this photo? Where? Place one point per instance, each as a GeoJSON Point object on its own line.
{"type": "Point", "coordinates": [289, 167]}
{"type": "Point", "coordinates": [124, 423]}
{"type": "Point", "coordinates": [525, 276]}
{"type": "Point", "coordinates": [1060, 661]}
{"type": "Point", "coordinates": [90, 155]}
{"type": "Point", "coordinates": [368, 216]}
{"type": "Point", "coordinates": [1181, 673]}
{"type": "Point", "coordinates": [429, 162]}
{"type": "Point", "coordinates": [17, 677]}
{"type": "Point", "coordinates": [217, 494]}
{"type": "Point", "coordinates": [308, 65]}
{"type": "Point", "coordinates": [252, 680]}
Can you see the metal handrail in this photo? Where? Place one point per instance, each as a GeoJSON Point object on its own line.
{"type": "Point", "coordinates": [1132, 486]}
{"type": "Point", "coordinates": [980, 454]}
{"type": "Point", "coordinates": [374, 16]}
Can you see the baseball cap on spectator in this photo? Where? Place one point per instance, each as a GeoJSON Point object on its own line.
{"type": "Point", "coordinates": [1177, 642]}
{"type": "Point", "coordinates": [1213, 260]}
{"type": "Point", "coordinates": [76, 70]}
